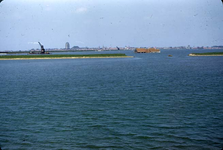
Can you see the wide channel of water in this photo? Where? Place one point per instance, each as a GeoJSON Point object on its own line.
{"type": "Point", "coordinates": [151, 101]}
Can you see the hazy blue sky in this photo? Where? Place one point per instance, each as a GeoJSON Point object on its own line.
{"type": "Point", "coordinates": [96, 23]}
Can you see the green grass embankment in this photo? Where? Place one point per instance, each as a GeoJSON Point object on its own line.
{"type": "Point", "coordinates": [207, 54]}
{"type": "Point", "coordinates": [62, 56]}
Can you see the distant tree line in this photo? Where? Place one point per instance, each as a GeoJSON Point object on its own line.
{"type": "Point", "coordinates": [218, 46]}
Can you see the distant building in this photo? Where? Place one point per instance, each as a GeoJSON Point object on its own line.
{"type": "Point", "coordinates": [75, 47]}
{"type": "Point", "coordinates": [67, 45]}
{"type": "Point", "coordinates": [188, 47]}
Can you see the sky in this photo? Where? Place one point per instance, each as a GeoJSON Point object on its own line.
{"type": "Point", "coordinates": [110, 23]}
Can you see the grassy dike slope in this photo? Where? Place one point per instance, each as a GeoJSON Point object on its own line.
{"type": "Point", "coordinates": [48, 56]}
{"type": "Point", "coordinates": [207, 54]}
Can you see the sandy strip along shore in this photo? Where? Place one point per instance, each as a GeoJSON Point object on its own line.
{"type": "Point", "coordinates": [64, 58]}
{"type": "Point", "coordinates": [203, 55]}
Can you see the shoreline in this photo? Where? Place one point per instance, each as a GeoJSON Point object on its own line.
{"type": "Point", "coordinates": [65, 58]}
{"type": "Point", "coordinates": [193, 55]}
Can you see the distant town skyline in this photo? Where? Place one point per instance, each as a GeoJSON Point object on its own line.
{"type": "Point", "coordinates": [74, 48]}
{"type": "Point", "coordinates": [94, 23]}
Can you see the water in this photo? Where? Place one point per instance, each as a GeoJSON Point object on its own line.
{"type": "Point", "coordinates": [151, 101]}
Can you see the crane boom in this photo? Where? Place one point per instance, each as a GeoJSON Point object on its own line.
{"type": "Point", "coordinates": [39, 43]}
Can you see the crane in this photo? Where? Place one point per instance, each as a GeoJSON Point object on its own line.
{"type": "Point", "coordinates": [42, 48]}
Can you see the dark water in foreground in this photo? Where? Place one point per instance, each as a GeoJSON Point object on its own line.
{"type": "Point", "coordinates": [150, 101]}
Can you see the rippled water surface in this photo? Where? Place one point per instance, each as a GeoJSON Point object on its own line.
{"type": "Point", "coordinates": [151, 101]}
